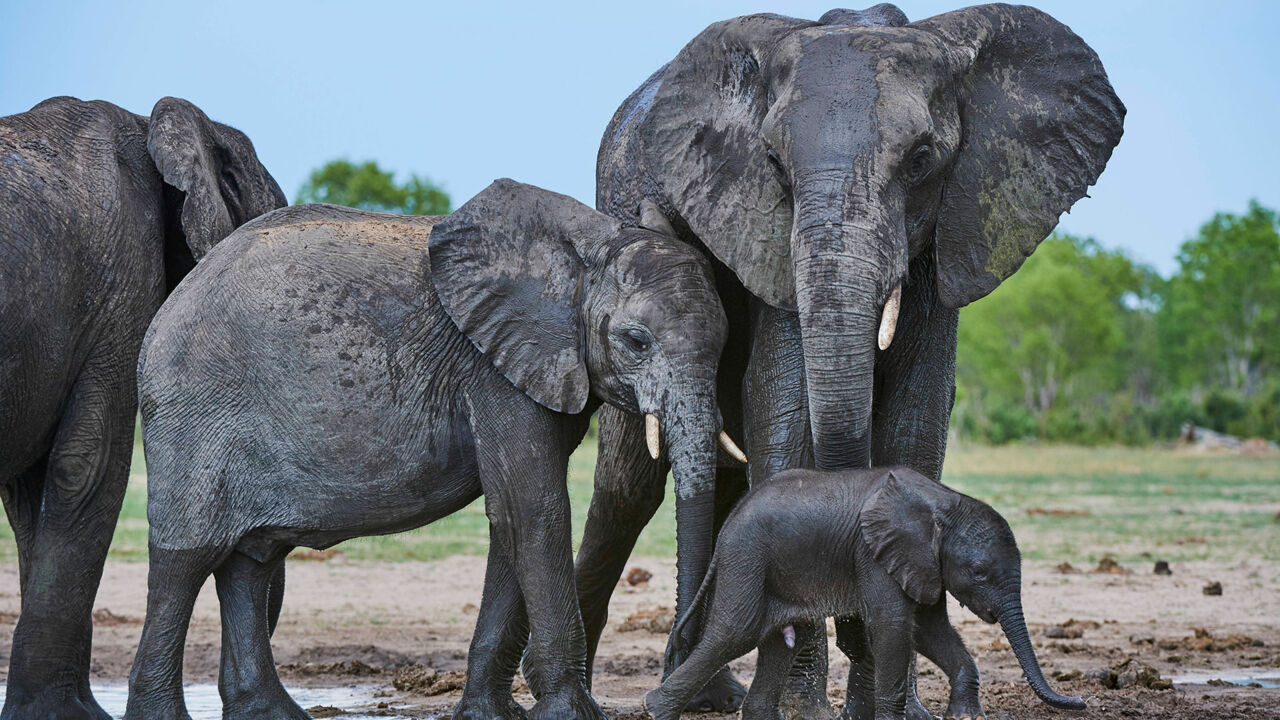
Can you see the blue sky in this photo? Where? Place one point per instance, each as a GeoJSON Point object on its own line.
{"type": "Point", "coordinates": [466, 92]}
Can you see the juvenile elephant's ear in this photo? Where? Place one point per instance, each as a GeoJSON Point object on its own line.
{"type": "Point", "coordinates": [220, 180]}
{"type": "Point", "coordinates": [508, 269]}
{"type": "Point", "coordinates": [899, 526]}
{"type": "Point", "coordinates": [703, 132]}
{"type": "Point", "coordinates": [1039, 120]}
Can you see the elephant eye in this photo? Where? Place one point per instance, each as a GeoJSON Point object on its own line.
{"type": "Point", "coordinates": [636, 340]}
{"type": "Point", "coordinates": [920, 163]}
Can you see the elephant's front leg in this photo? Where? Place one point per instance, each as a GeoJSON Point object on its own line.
{"type": "Point", "coordinates": [778, 438]}
{"type": "Point", "coordinates": [523, 476]}
{"type": "Point", "coordinates": [62, 555]}
{"type": "Point", "coordinates": [937, 640]}
{"type": "Point", "coordinates": [629, 487]}
{"type": "Point", "coordinates": [893, 651]}
{"type": "Point", "coordinates": [501, 630]}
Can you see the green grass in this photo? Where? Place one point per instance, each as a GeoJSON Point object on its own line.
{"type": "Point", "coordinates": [1135, 503]}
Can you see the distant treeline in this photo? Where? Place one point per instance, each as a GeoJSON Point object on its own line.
{"type": "Point", "coordinates": [1084, 345]}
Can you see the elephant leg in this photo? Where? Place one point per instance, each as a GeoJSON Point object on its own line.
{"type": "Point", "coordinates": [915, 380]}
{"type": "Point", "coordinates": [915, 389]}
{"type": "Point", "coordinates": [275, 598]}
{"type": "Point", "coordinates": [718, 646]}
{"type": "Point", "coordinates": [22, 501]}
{"type": "Point", "coordinates": [891, 646]}
{"type": "Point", "coordinates": [778, 438]}
{"type": "Point", "coordinates": [937, 640]}
{"type": "Point", "coordinates": [629, 487]}
{"type": "Point", "coordinates": [854, 640]}
{"type": "Point", "coordinates": [501, 629]}
{"type": "Point", "coordinates": [527, 503]}
{"type": "Point", "coordinates": [174, 578]}
{"type": "Point", "coordinates": [83, 487]}
{"type": "Point", "coordinates": [247, 679]}
{"type": "Point", "coordinates": [773, 663]}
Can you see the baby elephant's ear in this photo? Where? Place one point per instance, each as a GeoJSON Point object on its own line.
{"type": "Point", "coordinates": [899, 527]}
{"type": "Point", "coordinates": [508, 269]}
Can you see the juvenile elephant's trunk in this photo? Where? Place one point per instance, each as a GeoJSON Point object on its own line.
{"type": "Point", "coordinates": [690, 429]}
{"type": "Point", "coordinates": [1015, 628]}
{"type": "Point", "coordinates": [841, 261]}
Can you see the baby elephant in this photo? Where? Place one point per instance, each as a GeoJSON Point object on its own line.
{"type": "Point", "coordinates": [882, 544]}
{"type": "Point", "coordinates": [327, 373]}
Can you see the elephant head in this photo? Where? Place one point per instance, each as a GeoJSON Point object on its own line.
{"type": "Point", "coordinates": [816, 160]}
{"type": "Point", "coordinates": [214, 182]}
{"type": "Point", "coordinates": [567, 301]}
{"type": "Point", "coordinates": [931, 538]}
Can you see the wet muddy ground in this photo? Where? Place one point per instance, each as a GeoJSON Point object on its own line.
{"type": "Point", "coordinates": [390, 639]}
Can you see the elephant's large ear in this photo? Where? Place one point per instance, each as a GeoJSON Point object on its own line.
{"type": "Point", "coordinates": [508, 269]}
{"type": "Point", "coordinates": [899, 526]}
{"type": "Point", "coordinates": [1039, 120]}
{"type": "Point", "coordinates": [703, 131]}
{"type": "Point", "coordinates": [221, 182]}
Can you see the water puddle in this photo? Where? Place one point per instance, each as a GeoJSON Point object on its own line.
{"type": "Point", "coordinates": [204, 703]}
{"type": "Point", "coordinates": [1244, 677]}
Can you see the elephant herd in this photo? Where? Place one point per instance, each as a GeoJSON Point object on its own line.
{"type": "Point", "coordinates": [789, 216]}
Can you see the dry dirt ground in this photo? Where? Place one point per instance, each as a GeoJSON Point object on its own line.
{"type": "Point", "coordinates": [356, 624]}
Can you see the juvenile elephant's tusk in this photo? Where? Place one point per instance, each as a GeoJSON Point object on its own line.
{"type": "Point", "coordinates": [889, 317]}
{"type": "Point", "coordinates": [731, 447]}
{"type": "Point", "coordinates": [789, 636]}
{"type": "Point", "coordinates": [651, 434]}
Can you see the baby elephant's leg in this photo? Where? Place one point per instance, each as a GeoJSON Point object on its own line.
{"type": "Point", "coordinates": [247, 679]}
{"type": "Point", "coordinates": [937, 640]}
{"type": "Point", "coordinates": [773, 665]}
{"type": "Point", "coordinates": [718, 646]}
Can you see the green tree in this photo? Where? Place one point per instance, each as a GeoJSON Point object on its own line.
{"type": "Point", "coordinates": [1219, 324]}
{"type": "Point", "coordinates": [367, 186]}
{"type": "Point", "coordinates": [1066, 331]}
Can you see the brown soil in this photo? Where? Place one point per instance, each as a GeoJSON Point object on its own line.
{"type": "Point", "coordinates": [407, 625]}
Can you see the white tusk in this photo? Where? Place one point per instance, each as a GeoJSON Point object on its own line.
{"type": "Point", "coordinates": [651, 434]}
{"type": "Point", "coordinates": [731, 447]}
{"type": "Point", "coordinates": [889, 317]}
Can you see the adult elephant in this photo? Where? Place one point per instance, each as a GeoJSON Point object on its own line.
{"type": "Point", "coordinates": [102, 212]}
{"type": "Point", "coordinates": [860, 179]}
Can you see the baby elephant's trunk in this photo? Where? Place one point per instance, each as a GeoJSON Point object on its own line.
{"type": "Point", "coordinates": [1015, 628]}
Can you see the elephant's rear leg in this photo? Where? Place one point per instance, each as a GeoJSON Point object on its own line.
{"type": "Point", "coordinates": [719, 645]}
{"type": "Point", "coordinates": [174, 578]}
{"type": "Point", "coordinates": [247, 678]}
{"type": "Point", "coordinates": [64, 524]}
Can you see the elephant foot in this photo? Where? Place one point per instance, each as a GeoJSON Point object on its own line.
{"type": "Point", "coordinates": [262, 707]}
{"type": "Point", "coordinates": [967, 708]}
{"type": "Point", "coordinates": [722, 694]}
{"type": "Point", "coordinates": [916, 710]}
{"type": "Point", "coordinates": [574, 705]}
{"type": "Point", "coordinates": [57, 703]}
{"type": "Point", "coordinates": [657, 706]}
{"type": "Point", "coordinates": [809, 704]}
{"type": "Point", "coordinates": [489, 708]}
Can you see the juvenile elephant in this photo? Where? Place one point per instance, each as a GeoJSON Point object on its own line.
{"type": "Point", "coordinates": [102, 212]}
{"type": "Point", "coordinates": [330, 373]}
{"type": "Point", "coordinates": [858, 179]}
{"type": "Point", "coordinates": [892, 543]}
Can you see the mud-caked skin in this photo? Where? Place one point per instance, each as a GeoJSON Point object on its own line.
{"type": "Point", "coordinates": [102, 212]}
{"type": "Point", "coordinates": [890, 544]}
{"type": "Point", "coordinates": [830, 167]}
{"type": "Point", "coordinates": [328, 373]}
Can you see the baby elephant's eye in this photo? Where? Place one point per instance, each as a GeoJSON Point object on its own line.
{"type": "Point", "coordinates": [637, 340]}
{"type": "Point", "coordinates": [920, 163]}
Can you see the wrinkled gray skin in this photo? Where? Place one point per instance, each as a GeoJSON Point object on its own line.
{"type": "Point", "coordinates": [893, 542]}
{"type": "Point", "coordinates": [102, 212]}
{"type": "Point", "coordinates": [823, 164]}
{"type": "Point", "coordinates": [329, 373]}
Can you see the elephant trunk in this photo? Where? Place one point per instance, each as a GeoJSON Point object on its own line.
{"type": "Point", "coordinates": [691, 428]}
{"type": "Point", "coordinates": [842, 265]}
{"type": "Point", "coordinates": [1015, 629]}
